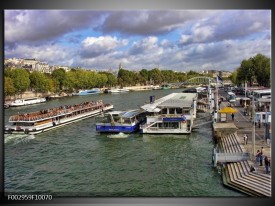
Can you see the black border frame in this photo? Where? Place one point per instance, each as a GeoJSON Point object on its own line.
{"type": "Point", "coordinates": [133, 5]}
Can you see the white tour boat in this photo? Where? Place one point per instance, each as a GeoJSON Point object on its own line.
{"type": "Point", "coordinates": [28, 101]}
{"type": "Point", "coordinates": [172, 114]}
{"type": "Point", "coordinates": [41, 121]}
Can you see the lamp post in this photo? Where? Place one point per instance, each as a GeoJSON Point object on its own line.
{"type": "Point", "coordinates": [253, 128]}
{"type": "Point", "coordinates": [244, 93]}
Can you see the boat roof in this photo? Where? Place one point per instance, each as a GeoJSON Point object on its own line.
{"type": "Point", "coordinates": [126, 114]}
{"type": "Point", "coordinates": [174, 100]}
{"type": "Point", "coordinates": [130, 114]}
{"type": "Point", "coordinates": [264, 100]}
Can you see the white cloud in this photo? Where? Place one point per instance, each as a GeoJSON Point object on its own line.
{"type": "Point", "coordinates": [95, 46]}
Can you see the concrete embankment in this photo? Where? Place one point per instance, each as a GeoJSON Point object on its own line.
{"type": "Point", "coordinates": [235, 157]}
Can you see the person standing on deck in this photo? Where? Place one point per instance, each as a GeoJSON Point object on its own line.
{"type": "Point", "coordinates": [232, 115]}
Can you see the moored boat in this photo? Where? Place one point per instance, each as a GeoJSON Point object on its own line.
{"type": "Point", "coordinates": [118, 90]}
{"type": "Point", "coordinates": [6, 105]}
{"type": "Point", "coordinates": [41, 121]}
{"type": "Point", "coordinates": [87, 92]}
{"type": "Point", "coordinates": [28, 101]}
{"type": "Point", "coordinates": [120, 121]}
{"type": "Point", "coordinates": [172, 114]}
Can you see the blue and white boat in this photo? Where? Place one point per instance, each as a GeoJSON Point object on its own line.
{"type": "Point", "coordinates": [87, 92]}
{"type": "Point", "coordinates": [120, 121]}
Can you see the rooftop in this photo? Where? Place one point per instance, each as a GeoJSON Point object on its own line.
{"type": "Point", "coordinates": [174, 100]}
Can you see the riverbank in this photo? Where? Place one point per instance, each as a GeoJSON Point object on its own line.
{"type": "Point", "coordinates": [236, 156]}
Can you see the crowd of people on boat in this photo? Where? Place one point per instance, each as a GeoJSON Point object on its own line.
{"type": "Point", "coordinates": [43, 114]}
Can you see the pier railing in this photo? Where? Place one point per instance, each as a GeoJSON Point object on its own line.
{"type": "Point", "coordinates": [230, 157]}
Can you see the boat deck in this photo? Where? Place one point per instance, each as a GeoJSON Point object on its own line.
{"type": "Point", "coordinates": [55, 112]}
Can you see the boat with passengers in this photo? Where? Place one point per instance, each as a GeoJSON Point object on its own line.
{"type": "Point", "coordinates": [44, 120]}
{"type": "Point", "coordinates": [120, 121]}
{"type": "Point", "coordinates": [172, 114]}
{"type": "Point", "coordinates": [27, 101]}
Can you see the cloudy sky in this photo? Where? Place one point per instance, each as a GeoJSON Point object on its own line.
{"type": "Point", "coordinates": [180, 40]}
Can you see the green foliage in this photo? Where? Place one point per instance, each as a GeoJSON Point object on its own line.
{"type": "Point", "coordinates": [256, 68]}
{"type": "Point", "coordinates": [262, 69]}
{"type": "Point", "coordinates": [155, 76]}
{"type": "Point", "coordinates": [39, 82]}
{"type": "Point", "coordinates": [111, 79]}
{"type": "Point", "coordinates": [126, 78]}
{"type": "Point", "coordinates": [8, 86]}
{"type": "Point", "coordinates": [21, 80]}
{"type": "Point", "coordinates": [59, 76]}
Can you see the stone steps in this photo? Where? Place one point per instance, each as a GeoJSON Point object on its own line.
{"type": "Point", "coordinates": [237, 175]}
{"type": "Point", "coordinates": [249, 183]}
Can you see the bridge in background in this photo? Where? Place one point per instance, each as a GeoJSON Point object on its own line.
{"type": "Point", "coordinates": [201, 80]}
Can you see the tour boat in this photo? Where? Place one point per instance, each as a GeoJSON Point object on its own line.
{"type": "Point", "coordinates": [28, 101]}
{"type": "Point", "coordinates": [120, 121]}
{"type": "Point", "coordinates": [41, 121]}
{"type": "Point", "coordinates": [87, 92]}
{"type": "Point", "coordinates": [172, 114]}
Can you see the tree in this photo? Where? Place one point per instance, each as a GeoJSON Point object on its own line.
{"type": "Point", "coordinates": [156, 76]}
{"type": "Point", "coordinates": [246, 73]}
{"type": "Point", "coordinates": [70, 81]}
{"type": "Point", "coordinates": [9, 89]}
{"type": "Point", "coordinates": [261, 66]}
{"type": "Point", "coordinates": [21, 80]}
{"type": "Point", "coordinates": [255, 68]}
{"type": "Point", "coordinates": [39, 82]}
{"type": "Point", "coordinates": [59, 76]}
{"type": "Point", "coordinates": [126, 78]}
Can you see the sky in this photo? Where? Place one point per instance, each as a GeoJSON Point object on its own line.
{"type": "Point", "coordinates": [180, 40]}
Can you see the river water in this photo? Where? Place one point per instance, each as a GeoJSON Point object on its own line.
{"type": "Point", "coordinates": [75, 160]}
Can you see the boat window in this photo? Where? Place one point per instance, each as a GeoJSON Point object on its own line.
{"type": "Point", "coordinates": [164, 111]}
{"type": "Point", "coordinates": [127, 121]}
{"type": "Point", "coordinates": [176, 125]}
{"type": "Point", "coordinates": [116, 118]}
{"type": "Point", "coordinates": [172, 110]}
{"type": "Point", "coordinates": [178, 110]}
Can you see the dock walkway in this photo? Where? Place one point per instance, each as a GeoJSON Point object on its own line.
{"type": "Point", "coordinates": [237, 174]}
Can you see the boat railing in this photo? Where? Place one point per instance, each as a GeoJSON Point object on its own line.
{"type": "Point", "coordinates": [55, 112]}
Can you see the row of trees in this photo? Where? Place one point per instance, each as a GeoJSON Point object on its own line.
{"type": "Point", "coordinates": [154, 76]}
{"type": "Point", "coordinates": [254, 69]}
{"type": "Point", "coordinates": [17, 81]}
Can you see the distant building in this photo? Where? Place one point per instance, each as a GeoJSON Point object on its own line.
{"type": "Point", "coordinates": [32, 65]}
{"type": "Point", "coordinates": [64, 67]}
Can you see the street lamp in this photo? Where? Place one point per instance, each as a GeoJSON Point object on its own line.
{"type": "Point", "coordinates": [253, 128]}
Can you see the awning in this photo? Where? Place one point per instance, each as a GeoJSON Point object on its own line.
{"type": "Point", "coordinates": [228, 110]}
